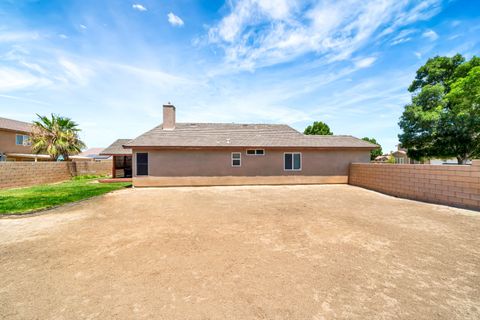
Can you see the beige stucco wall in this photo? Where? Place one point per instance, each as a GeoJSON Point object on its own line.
{"type": "Point", "coordinates": [8, 143]}
{"type": "Point", "coordinates": [217, 163]}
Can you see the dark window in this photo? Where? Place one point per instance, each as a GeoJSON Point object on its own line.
{"type": "Point", "coordinates": [19, 140]}
{"type": "Point", "coordinates": [255, 152]}
{"type": "Point", "coordinates": [288, 161]}
{"type": "Point", "coordinates": [142, 164]}
{"type": "Point", "coordinates": [293, 161]}
{"type": "Point", "coordinates": [296, 161]}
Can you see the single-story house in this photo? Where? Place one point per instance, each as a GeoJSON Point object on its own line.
{"type": "Point", "coordinates": [234, 154]}
{"type": "Point", "coordinates": [122, 158]}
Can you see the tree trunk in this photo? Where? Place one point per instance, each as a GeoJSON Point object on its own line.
{"type": "Point", "coordinates": [461, 160]}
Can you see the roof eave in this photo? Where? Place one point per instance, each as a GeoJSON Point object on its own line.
{"type": "Point", "coordinates": [248, 146]}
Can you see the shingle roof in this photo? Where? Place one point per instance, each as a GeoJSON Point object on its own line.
{"type": "Point", "coordinates": [15, 125]}
{"type": "Point", "coordinates": [117, 148]}
{"type": "Point", "coordinates": [94, 153]}
{"type": "Point", "coordinates": [91, 152]}
{"type": "Point", "coordinates": [240, 135]}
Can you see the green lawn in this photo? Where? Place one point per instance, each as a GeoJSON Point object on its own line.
{"type": "Point", "coordinates": [25, 200]}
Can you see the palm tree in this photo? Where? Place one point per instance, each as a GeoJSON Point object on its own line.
{"type": "Point", "coordinates": [56, 136]}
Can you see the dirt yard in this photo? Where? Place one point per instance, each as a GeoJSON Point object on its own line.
{"type": "Point", "coordinates": [296, 252]}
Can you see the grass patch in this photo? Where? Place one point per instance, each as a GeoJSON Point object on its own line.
{"type": "Point", "coordinates": [89, 177]}
{"type": "Point", "coordinates": [25, 200]}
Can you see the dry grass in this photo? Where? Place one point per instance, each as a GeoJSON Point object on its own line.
{"type": "Point", "coordinates": [296, 252]}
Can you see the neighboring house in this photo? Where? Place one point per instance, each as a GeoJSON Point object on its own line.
{"type": "Point", "coordinates": [401, 157]}
{"type": "Point", "coordinates": [15, 143]}
{"type": "Point", "coordinates": [451, 161]}
{"type": "Point", "coordinates": [122, 158]}
{"type": "Point", "coordinates": [234, 154]}
{"type": "Point", "coordinates": [92, 154]}
{"type": "Point", "coordinates": [383, 158]}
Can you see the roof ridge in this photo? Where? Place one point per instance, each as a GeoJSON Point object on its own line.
{"type": "Point", "coordinates": [237, 123]}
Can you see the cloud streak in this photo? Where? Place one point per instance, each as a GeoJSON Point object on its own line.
{"type": "Point", "coordinates": [259, 33]}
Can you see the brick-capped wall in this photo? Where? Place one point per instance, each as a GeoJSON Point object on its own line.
{"type": "Point", "coordinates": [21, 174]}
{"type": "Point", "coordinates": [447, 184]}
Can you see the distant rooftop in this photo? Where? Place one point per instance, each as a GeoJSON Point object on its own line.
{"type": "Point", "coordinates": [94, 153]}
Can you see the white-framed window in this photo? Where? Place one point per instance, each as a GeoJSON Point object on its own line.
{"type": "Point", "coordinates": [255, 152]}
{"type": "Point", "coordinates": [292, 161]}
{"type": "Point", "coordinates": [400, 160]}
{"type": "Point", "coordinates": [22, 140]}
{"type": "Point", "coordinates": [236, 159]}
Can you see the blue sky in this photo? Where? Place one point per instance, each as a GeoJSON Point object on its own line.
{"type": "Point", "coordinates": [110, 65]}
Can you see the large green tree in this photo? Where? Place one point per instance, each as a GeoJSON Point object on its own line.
{"type": "Point", "coordinates": [375, 152]}
{"type": "Point", "coordinates": [443, 118]}
{"type": "Point", "coordinates": [318, 128]}
{"type": "Point", "coordinates": [56, 136]}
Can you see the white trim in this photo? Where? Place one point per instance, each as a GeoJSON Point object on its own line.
{"type": "Point", "coordinates": [293, 161]}
{"type": "Point", "coordinates": [231, 159]}
{"type": "Point", "coordinates": [24, 138]}
{"type": "Point", "coordinates": [255, 154]}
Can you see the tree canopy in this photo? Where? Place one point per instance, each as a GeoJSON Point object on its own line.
{"type": "Point", "coordinates": [56, 136]}
{"type": "Point", "coordinates": [375, 152]}
{"type": "Point", "coordinates": [318, 128]}
{"type": "Point", "coordinates": [443, 119]}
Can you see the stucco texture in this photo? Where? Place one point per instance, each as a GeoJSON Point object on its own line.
{"type": "Point", "coordinates": [8, 143]}
{"type": "Point", "coordinates": [217, 162]}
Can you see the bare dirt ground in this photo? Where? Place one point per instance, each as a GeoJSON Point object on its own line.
{"type": "Point", "coordinates": [285, 252]}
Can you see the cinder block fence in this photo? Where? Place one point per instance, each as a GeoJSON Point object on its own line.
{"type": "Point", "coordinates": [448, 184]}
{"type": "Point", "coordinates": [21, 174]}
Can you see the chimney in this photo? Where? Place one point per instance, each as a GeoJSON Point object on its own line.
{"type": "Point", "coordinates": [168, 116]}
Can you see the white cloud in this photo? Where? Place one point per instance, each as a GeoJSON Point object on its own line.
{"type": "Point", "coordinates": [63, 36]}
{"type": "Point", "coordinates": [418, 54]}
{"type": "Point", "coordinates": [15, 36]}
{"type": "Point", "coordinates": [259, 33]}
{"type": "Point", "coordinates": [12, 79]}
{"type": "Point", "coordinates": [5, 96]}
{"type": "Point", "coordinates": [83, 26]}
{"type": "Point", "coordinates": [138, 7]}
{"type": "Point", "coordinates": [74, 72]}
{"type": "Point", "coordinates": [146, 75]}
{"type": "Point", "coordinates": [174, 20]}
{"type": "Point", "coordinates": [430, 34]}
{"type": "Point", "coordinates": [365, 62]}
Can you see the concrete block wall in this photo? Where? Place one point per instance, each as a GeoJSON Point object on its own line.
{"type": "Point", "coordinates": [22, 174]}
{"type": "Point", "coordinates": [453, 185]}
{"type": "Point", "coordinates": [89, 167]}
